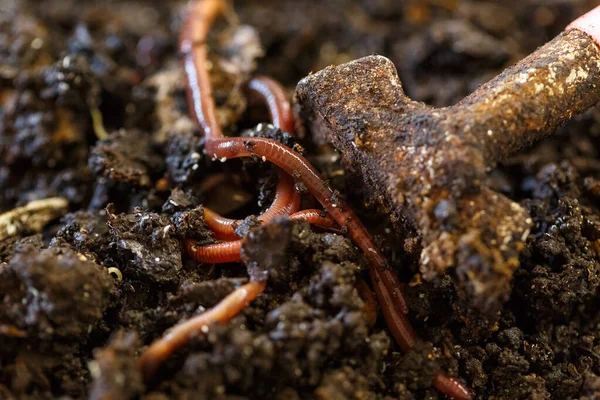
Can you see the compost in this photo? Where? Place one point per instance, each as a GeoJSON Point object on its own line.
{"type": "Point", "coordinates": [103, 179]}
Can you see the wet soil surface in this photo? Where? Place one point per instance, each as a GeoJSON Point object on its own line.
{"type": "Point", "coordinates": [93, 110]}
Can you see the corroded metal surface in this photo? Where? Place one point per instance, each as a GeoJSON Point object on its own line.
{"type": "Point", "coordinates": [430, 164]}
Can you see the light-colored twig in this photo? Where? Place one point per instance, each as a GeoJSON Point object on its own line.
{"type": "Point", "coordinates": [32, 217]}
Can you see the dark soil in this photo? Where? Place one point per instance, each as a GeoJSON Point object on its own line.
{"type": "Point", "coordinates": [137, 179]}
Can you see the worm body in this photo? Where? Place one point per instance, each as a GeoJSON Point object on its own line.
{"type": "Point", "coordinates": [202, 108]}
{"type": "Point", "coordinates": [299, 167]}
{"type": "Point", "coordinates": [315, 217]}
{"type": "Point", "coordinates": [182, 333]}
{"type": "Point", "coordinates": [192, 44]}
{"type": "Point", "coordinates": [226, 252]}
{"type": "Point", "coordinates": [275, 97]}
{"type": "Point", "coordinates": [286, 202]}
{"type": "Point", "coordinates": [222, 148]}
{"type": "Point", "coordinates": [217, 253]}
{"type": "Point", "coordinates": [451, 387]}
{"type": "Point", "coordinates": [370, 304]}
{"type": "Point", "coordinates": [395, 318]}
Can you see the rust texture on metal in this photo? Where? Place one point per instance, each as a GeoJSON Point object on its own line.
{"type": "Point", "coordinates": [430, 165]}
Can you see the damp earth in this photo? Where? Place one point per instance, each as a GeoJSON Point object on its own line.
{"type": "Point", "coordinates": [93, 111]}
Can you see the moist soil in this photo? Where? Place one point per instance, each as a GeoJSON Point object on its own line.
{"type": "Point", "coordinates": [93, 110]}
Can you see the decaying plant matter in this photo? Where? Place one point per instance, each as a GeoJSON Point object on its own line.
{"type": "Point", "coordinates": [32, 217]}
{"type": "Point", "coordinates": [430, 165]}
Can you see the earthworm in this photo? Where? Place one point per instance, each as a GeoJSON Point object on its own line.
{"type": "Point", "coordinates": [182, 333]}
{"type": "Point", "coordinates": [406, 337]}
{"type": "Point", "coordinates": [216, 253]}
{"type": "Point", "coordinates": [275, 97]}
{"type": "Point", "coordinates": [316, 217]}
{"type": "Point", "coordinates": [370, 304]}
{"type": "Point", "coordinates": [299, 167]}
{"type": "Point", "coordinates": [202, 107]}
{"type": "Point", "coordinates": [451, 387]}
{"type": "Point", "coordinates": [192, 44]}
{"type": "Point", "coordinates": [226, 252]}
{"type": "Point", "coordinates": [286, 202]}
{"type": "Point", "coordinates": [397, 322]}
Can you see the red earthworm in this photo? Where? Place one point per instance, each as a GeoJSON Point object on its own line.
{"type": "Point", "coordinates": [370, 304]}
{"type": "Point", "coordinates": [182, 333]}
{"type": "Point", "coordinates": [406, 337]}
{"type": "Point", "coordinates": [299, 167]}
{"type": "Point", "coordinates": [451, 387]}
{"type": "Point", "coordinates": [275, 97]}
{"type": "Point", "coordinates": [316, 217]}
{"type": "Point", "coordinates": [222, 228]}
{"type": "Point", "coordinates": [225, 252]}
{"type": "Point", "coordinates": [396, 321]}
{"type": "Point", "coordinates": [202, 107]}
{"type": "Point", "coordinates": [286, 202]}
{"type": "Point", "coordinates": [193, 46]}
{"type": "Point", "coordinates": [216, 253]}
